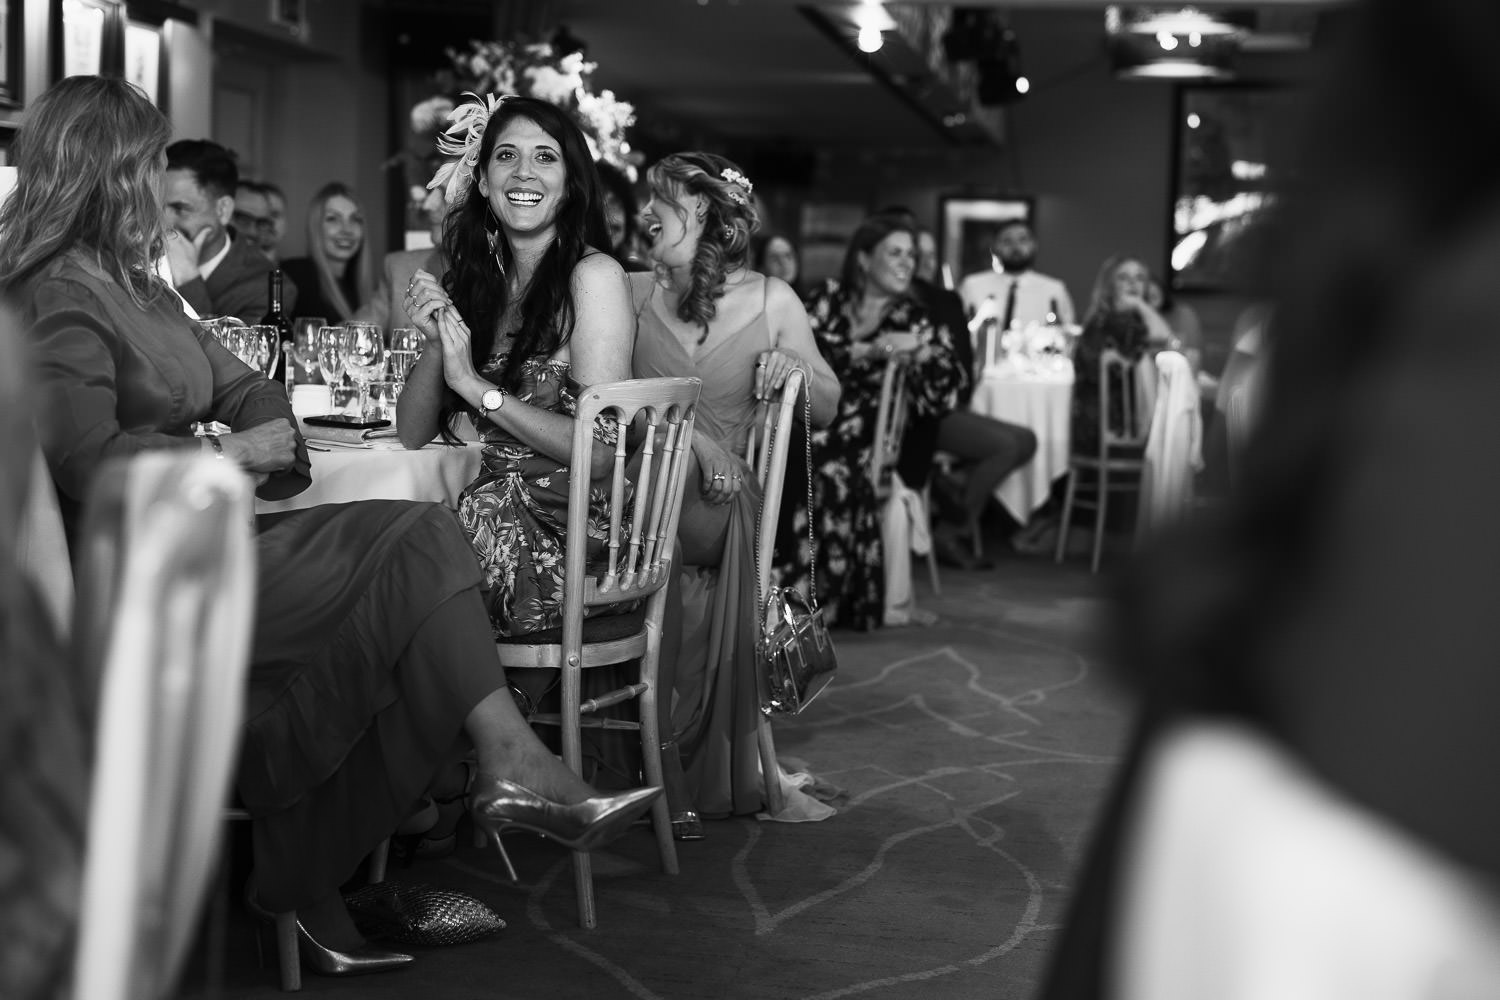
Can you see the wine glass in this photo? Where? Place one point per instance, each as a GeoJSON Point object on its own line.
{"type": "Point", "coordinates": [366, 359]}
{"type": "Point", "coordinates": [405, 348]}
{"type": "Point", "coordinates": [262, 346]}
{"type": "Point", "coordinates": [332, 346]}
{"type": "Point", "coordinates": [304, 344]}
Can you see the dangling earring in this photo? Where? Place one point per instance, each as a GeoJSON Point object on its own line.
{"type": "Point", "coordinates": [492, 238]}
{"type": "Point", "coordinates": [728, 232]}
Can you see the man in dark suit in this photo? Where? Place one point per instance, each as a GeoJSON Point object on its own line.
{"type": "Point", "coordinates": [217, 273]}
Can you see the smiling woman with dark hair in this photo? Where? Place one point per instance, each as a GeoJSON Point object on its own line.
{"type": "Point", "coordinates": [531, 311]}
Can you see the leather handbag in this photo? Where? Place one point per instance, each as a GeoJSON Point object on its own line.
{"type": "Point", "coordinates": [796, 655]}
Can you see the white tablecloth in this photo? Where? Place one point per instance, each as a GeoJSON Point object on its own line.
{"type": "Point", "coordinates": [384, 471]}
{"type": "Point", "coordinates": [1038, 397]}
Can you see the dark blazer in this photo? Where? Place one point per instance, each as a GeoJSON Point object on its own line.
{"type": "Point", "coordinates": [238, 286]}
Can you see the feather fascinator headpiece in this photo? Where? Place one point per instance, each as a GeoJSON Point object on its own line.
{"type": "Point", "coordinates": [462, 139]}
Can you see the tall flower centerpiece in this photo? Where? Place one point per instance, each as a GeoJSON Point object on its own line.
{"type": "Point", "coordinates": [540, 70]}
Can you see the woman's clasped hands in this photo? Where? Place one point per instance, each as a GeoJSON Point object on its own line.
{"type": "Point", "coordinates": [432, 313]}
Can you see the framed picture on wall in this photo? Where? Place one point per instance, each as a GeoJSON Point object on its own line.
{"type": "Point", "coordinates": [88, 42]}
{"type": "Point", "coordinates": [966, 227]}
{"type": "Point", "coordinates": [145, 59]}
{"type": "Point", "coordinates": [10, 53]}
{"type": "Point", "coordinates": [1226, 140]}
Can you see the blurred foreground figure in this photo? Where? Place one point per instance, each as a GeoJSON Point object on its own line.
{"type": "Point", "coordinates": [1307, 809]}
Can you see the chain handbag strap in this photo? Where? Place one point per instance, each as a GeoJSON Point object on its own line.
{"type": "Point", "coordinates": [812, 544]}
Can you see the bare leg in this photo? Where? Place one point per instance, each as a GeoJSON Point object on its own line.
{"type": "Point", "coordinates": [508, 748]}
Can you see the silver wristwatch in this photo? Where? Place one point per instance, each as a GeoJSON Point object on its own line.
{"type": "Point", "coordinates": [491, 401]}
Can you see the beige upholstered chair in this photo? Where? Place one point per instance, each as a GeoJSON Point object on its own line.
{"type": "Point", "coordinates": [642, 535]}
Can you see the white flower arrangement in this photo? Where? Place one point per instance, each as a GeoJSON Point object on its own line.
{"type": "Point", "coordinates": [535, 70]}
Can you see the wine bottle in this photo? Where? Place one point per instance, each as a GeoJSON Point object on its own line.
{"type": "Point", "coordinates": [274, 317]}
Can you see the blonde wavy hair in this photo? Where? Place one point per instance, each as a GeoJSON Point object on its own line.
{"type": "Point", "coordinates": [89, 171]}
{"type": "Point", "coordinates": [332, 289]}
{"type": "Point", "coordinates": [729, 222]}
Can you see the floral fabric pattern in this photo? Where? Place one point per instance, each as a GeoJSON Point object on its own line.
{"type": "Point", "coordinates": [846, 518]}
{"type": "Point", "coordinates": [515, 513]}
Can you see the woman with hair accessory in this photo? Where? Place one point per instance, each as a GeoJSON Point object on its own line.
{"type": "Point", "coordinates": [531, 311]}
{"type": "Point", "coordinates": [334, 279]}
{"type": "Point", "coordinates": [706, 313]}
{"type": "Point", "coordinates": [372, 663]}
{"type": "Point", "coordinates": [862, 319]}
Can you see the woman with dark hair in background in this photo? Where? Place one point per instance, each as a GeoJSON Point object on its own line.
{"type": "Point", "coordinates": [776, 256]}
{"type": "Point", "coordinates": [334, 279]}
{"type": "Point", "coordinates": [705, 313]}
{"type": "Point", "coordinates": [1331, 634]}
{"type": "Point", "coordinates": [861, 320]}
{"type": "Point", "coordinates": [621, 217]}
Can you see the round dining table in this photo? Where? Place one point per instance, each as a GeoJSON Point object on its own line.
{"type": "Point", "coordinates": [381, 469]}
{"type": "Point", "coordinates": [1036, 394]}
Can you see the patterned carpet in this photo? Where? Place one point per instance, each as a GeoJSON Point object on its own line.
{"type": "Point", "coordinates": [972, 757]}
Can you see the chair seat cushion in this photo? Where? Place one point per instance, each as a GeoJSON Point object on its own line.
{"type": "Point", "coordinates": [602, 628]}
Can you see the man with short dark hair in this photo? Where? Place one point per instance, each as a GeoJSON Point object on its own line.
{"type": "Point", "coordinates": [1012, 292]}
{"type": "Point", "coordinates": [217, 273]}
{"type": "Point", "coordinates": [252, 220]}
{"type": "Point", "coordinates": [271, 243]}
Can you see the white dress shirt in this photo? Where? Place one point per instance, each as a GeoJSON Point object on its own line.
{"type": "Point", "coordinates": [1036, 295]}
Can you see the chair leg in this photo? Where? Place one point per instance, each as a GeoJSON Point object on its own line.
{"type": "Point", "coordinates": [976, 538]}
{"type": "Point", "coordinates": [932, 566]}
{"type": "Point", "coordinates": [378, 860]}
{"type": "Point", "coordinates": [1099, 513]}
{"type": "Point", "coordinates": [769, 771]}
{"type": "Point", "coordinates": [1067, 516]}
{"type": "Point", "coordinates": [287, 957]}
{"type": "Point", "coordinates": [661, 815]}
{"type": "Point", "coordinates": [572, 741]}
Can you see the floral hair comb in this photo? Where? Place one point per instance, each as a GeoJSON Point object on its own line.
{"type": "Point", "coordinates": [462, 140]}
{"type": "Point", "coordinates": [735, 177]}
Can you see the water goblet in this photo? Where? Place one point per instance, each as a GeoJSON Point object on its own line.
{"type": "Point", "coordinates": [365, 361]}
{"type": "Point", "coordinates": [406, 346]}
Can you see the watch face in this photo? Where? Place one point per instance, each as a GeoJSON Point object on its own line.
{"type": "Point", "coordinates": [491, 400]}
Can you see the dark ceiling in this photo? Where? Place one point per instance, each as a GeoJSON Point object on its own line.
{"type": "Point", "coordinates": [764, 72]}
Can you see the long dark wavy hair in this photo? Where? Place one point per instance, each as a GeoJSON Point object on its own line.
{"type": "Point", "coordinates": [729, 222]}
{"type": "Point", "coordinates": [88, 179]}
{"type": "Point", "coordinates": [474, 282]}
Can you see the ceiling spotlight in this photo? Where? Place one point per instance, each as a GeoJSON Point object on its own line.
{"type": "Point", "coordinates": [1173, 43]}
{"type": "Point", "coordinates": [870, 40]}
{"type": "Point", "coordinates": [1023, 85]}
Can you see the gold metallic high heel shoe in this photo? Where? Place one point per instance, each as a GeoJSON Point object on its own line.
{"type": "Point", "coordinates": [499, 805]}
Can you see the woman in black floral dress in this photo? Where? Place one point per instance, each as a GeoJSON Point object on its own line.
{"type": "Point", "coordinates": [861, 320]}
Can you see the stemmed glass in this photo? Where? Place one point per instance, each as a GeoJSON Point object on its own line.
{"type": "Point", "coordinates": [261, 345]}
{"type": "Point", "coordinates": [332, 346]}
{"type": "Point", "coordinates": [406, 345]}
{"type": "Point", "coordinates": [366, 358]}
{"type": "Point", "coordinates": [304, 343]}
